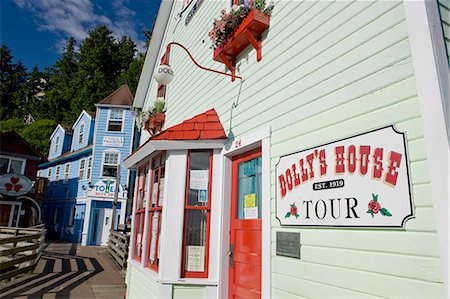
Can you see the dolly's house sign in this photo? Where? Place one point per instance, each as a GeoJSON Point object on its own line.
{"type": "Point", "coordinates": [361, 181]}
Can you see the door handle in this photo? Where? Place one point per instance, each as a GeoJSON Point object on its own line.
{"type": "Point", "coordinates": [231, 255]}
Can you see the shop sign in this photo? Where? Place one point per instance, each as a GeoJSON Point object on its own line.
{"type": "Point", "coordinates": [13, 184]}
{"type": "Point", "coordinates": [360, 181]}
{"type": "Point", "coordinates": [105, 188]}
{"type": "Point", "coordinates": [112, 141]}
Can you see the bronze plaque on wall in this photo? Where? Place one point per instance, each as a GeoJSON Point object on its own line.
{"type": "Point", "coordinates": [288, 244]}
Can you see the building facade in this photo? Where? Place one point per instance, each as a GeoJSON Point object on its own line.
{"type": "Point", "coordinates": [83, 163]}
{"type": "Point", "coordinates": [324, 173]}
{"type": "Point", "coordinates": [21, 187]}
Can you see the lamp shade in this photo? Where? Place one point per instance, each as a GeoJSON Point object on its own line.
{"type": "Point", "coordinates": [164, 74]}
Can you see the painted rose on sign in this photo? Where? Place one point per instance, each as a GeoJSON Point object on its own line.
{"type": "Point", "coordinates": [329, 185]}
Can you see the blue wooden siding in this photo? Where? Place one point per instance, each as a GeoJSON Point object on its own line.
{"type": "Point", "coordinates": [88, 131]}
{"type": "Point", "coordinates": [99, 149]}
{"type": "Point", "coordinates": [52, 153]}
{"type": "Point", "coordinates": [63, 195]}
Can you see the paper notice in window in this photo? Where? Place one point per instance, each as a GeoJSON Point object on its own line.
{"type": "Point", "coordinates": [198, 179]}
{"type": "Point", "coordinates": [250, 200]}
{"type": "Point", "coordinates": [195, 258]}
{"type": "Point", "coordinates": [251, 213]}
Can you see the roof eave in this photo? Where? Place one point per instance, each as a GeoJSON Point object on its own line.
{"type": "Point", "coordinates": [132, 161]}
{"type": "Point", "coordinates": [151, 58]}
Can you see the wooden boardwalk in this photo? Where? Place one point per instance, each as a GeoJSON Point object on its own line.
{"type": "Point", "coordinates": [68, 270]}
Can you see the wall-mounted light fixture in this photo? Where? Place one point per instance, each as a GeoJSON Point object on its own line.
{"type": "Point", "coordinates": [164, 74]}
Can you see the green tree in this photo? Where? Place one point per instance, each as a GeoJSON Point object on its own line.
{"type": "Point", "coordinates": [38, 134]}
{"type": "Point", "coordinates": [15, 124]}
{"type": "Point", "coordinates": [61, 85]}
{"type": "Point", "coordinates": [132, 74]}
{"type": "Point", "coordinates": [35, 93]}
{"type": "Point", "coordinates": [13, 77]}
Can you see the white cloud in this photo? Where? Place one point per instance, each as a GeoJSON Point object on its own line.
{"type": "Point", "coordinates": [74, 18]}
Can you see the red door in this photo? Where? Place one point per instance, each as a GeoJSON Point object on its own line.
{"type": "Point", "coordinates": [245, 227]}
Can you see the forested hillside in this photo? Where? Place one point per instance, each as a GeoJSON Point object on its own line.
{"type": "Point", "coordinates": [34, 101]}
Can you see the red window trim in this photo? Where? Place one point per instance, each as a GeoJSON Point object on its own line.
{"type": "Point", "coordinates": [190, 274]}
{"type": "Point", "coordinates": [156, 209]}
{"type": "Point", "coordinates": [139, 211]}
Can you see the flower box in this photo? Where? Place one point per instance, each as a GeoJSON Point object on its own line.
{"type": "Point", "coordinates": [155, 123]}
{"type": "Point", "coordinates": [249, 32]}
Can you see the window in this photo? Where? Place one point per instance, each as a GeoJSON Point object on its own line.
{"type": "Point", "coordinates": [12, 165]}
{"type": "Point", "coordinates": [141, 187]}
{"type": "Point", "coordinates": [50, 174]}
{"type": "Point", "coordinates": [55, 149]}
{"type": "Point", "coordinates": [155, 210]}
{"type": "Point", "coordinates": [197, 213]}
{"type": "Point", "coordinates": [89, 169]}
{"type": "Point", "coordinates": [81, 134]}
{"type": "Point", "coordinates": [73, 211]}
{"type": "Point", "coordinates": [57, 172]}
{"type": "Point", "coordinates": [110, 162]}
{"type": "Point", "coordinates": [81, 173]}
{"type": "Point", "coordinates": [66, 172]}
{"type": "Point", "coordinates": [39, 173]}
{"type": "Point", "coordinates": [115, 120]}
{"type": "Point", "coordinates": [162, 90]}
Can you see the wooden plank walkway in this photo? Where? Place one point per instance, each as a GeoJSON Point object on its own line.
{"type": "Point", "coordinates": [68, 270]}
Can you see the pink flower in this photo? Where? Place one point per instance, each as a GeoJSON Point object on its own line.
{"type": "Point", "coordinates": [374, 206]}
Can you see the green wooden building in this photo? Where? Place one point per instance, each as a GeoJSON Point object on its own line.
{"type": "Point", "coordinates": [317, 168]}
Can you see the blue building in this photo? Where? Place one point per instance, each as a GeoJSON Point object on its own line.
{"type": "Point", "coordinates": [83, 163]}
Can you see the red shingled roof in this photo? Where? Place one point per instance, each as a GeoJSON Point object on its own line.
{"type": "Point", "coordinates": [204, 126]}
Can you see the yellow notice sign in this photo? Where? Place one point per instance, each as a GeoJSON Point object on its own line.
{"type": "Point", "coordinates": [250, 200]}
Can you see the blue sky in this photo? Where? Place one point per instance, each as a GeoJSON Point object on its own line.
{"type": "Point", "coordinates": [36, 30]}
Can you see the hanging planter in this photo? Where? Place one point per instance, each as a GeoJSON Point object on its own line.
{"type": "Point", "coordinates": [238, 29]}
{"type": "Point", "coordinates": [155, 123]}
{"type": "Point", "coordinates": [153, 119]}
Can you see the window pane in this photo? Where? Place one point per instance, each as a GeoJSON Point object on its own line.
{"type": "Point", "coordinates": [16, 166]}
{"type": "Point", "coordinates": [195, 240]}
{"type": "Point", "coordinates": [161, 187]}
{"type": "Point", "coordinates": [115, 120]}
{"type": "Point", "coordinates": [81, 174]}
{"type": "Point", "coordinates": [115, 126]}
{"type": "Point", "coordinates": [4, 165]}
{"type": "Point", "coordinates": [145, 184]}
{"type": "Point", "coordinates": [139, 233]}
{"type": "Point", "coordinates": [89, 169]}
{"type": "Point", "coordinates": [198, 178]}
{"type": "Point", "coordinates": [109, 170]}
{"type": "Point", "coordinates": [153, 237]}
{"type": "Point", "coordinates": [249, 189]}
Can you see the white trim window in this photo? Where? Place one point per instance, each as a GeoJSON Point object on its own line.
{"type": "Point", "coordinates": [82, 168]}
{"type": "Point", "coordinates": [12, 165]}
{"type": "Point", "coordinates": [81, 133]}
{"type": "Point", "coordinates": [56, 145]}
{"type": "Point", "coordinates": [115, 120]}
{"type": "Point", "coordinates": [110, 164]}
{"type": "Point", "coordinates": [89, 168]}
{"type": "Point", "coordinates": [66, 172]}
{"type": "Point", "coordinates": [50, 174]}
{"type": "Point", "coordinates": [57, 173]}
